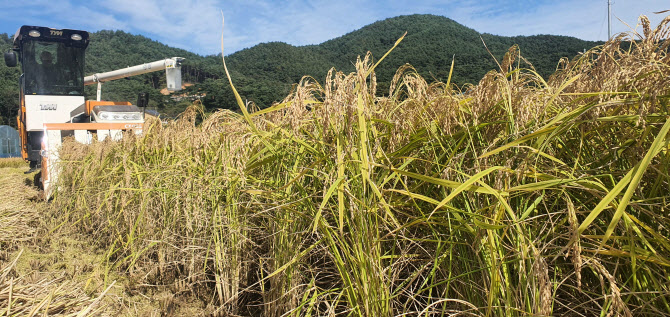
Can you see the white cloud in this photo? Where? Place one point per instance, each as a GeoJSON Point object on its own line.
{"type": "Point", "coordinates": [190, 24]}
{"type": "Point", "coordinates": [582, 19]}
{"type": "Point", "coordinates": [61, 14]}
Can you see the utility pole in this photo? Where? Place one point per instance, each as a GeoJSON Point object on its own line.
{"type": "Point", "coordinates": [609, 19]}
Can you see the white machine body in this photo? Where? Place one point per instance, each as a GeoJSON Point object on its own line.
{"type": "Point", "coordinates": [41, 109]}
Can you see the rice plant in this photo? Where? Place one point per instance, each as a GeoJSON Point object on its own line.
{"type": "Point", "coordinates": [516, 196]}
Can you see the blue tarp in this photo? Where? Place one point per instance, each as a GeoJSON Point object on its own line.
{"type": "Point", "coordinates": [10, 144]}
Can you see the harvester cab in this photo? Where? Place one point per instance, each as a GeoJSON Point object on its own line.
{"type": "Point", "coordinates": [52, 103]}
{"type": "Point", "coordinates": [52, 83]}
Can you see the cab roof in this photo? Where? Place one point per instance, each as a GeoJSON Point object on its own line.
{"type": "Point", "coordinates": [49, 35]}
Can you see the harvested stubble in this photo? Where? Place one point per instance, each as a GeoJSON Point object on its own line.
{"type": "Point", "coordinates": [520, 196]}
{"type": "Point", "coordinates": [18, 214]}
{"type": "Point", "coordinates": [12, 162]}
{"type": "Point", "coordinates": [42, 296]}
{"type": "Point", "coordinates": [31, 293]}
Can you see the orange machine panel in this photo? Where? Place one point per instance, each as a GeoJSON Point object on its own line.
{"type": "Point", "coordinates": [93, 126]}
{"type": "Point", "coordinates": [23, 135]}
{"type": "Point", "coordinates": [20, 124]}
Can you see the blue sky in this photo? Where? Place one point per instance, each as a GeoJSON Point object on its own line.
{"type": "Point", "coordinates": [195, 25]}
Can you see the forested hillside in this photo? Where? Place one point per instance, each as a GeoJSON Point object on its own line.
{"type": "Point", "coordinates": [9, 87]}
{"type": "Point", "coordinates": [265, 73]}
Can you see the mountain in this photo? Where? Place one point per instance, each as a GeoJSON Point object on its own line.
{"type": "Point", "coordinates": [265, 73]}
{"type": "Point", "coordinates": [431, 43]}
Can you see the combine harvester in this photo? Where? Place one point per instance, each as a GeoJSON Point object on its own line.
{"type": "Point", "coordinates": [52, 103]}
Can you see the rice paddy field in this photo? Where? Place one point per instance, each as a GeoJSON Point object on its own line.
{"type": "Point", "coordinates": [517, 196]}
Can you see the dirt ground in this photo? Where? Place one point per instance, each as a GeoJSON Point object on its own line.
{"type": "Point", "coordinates": [48, 270]}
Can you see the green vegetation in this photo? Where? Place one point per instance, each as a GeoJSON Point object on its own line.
{"type": "Point", "coordinates": [524, 195]}
{"type": "Point", "coordinates": [9, 87]}
{"type": "Point", "coordinates": [267, 72]}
